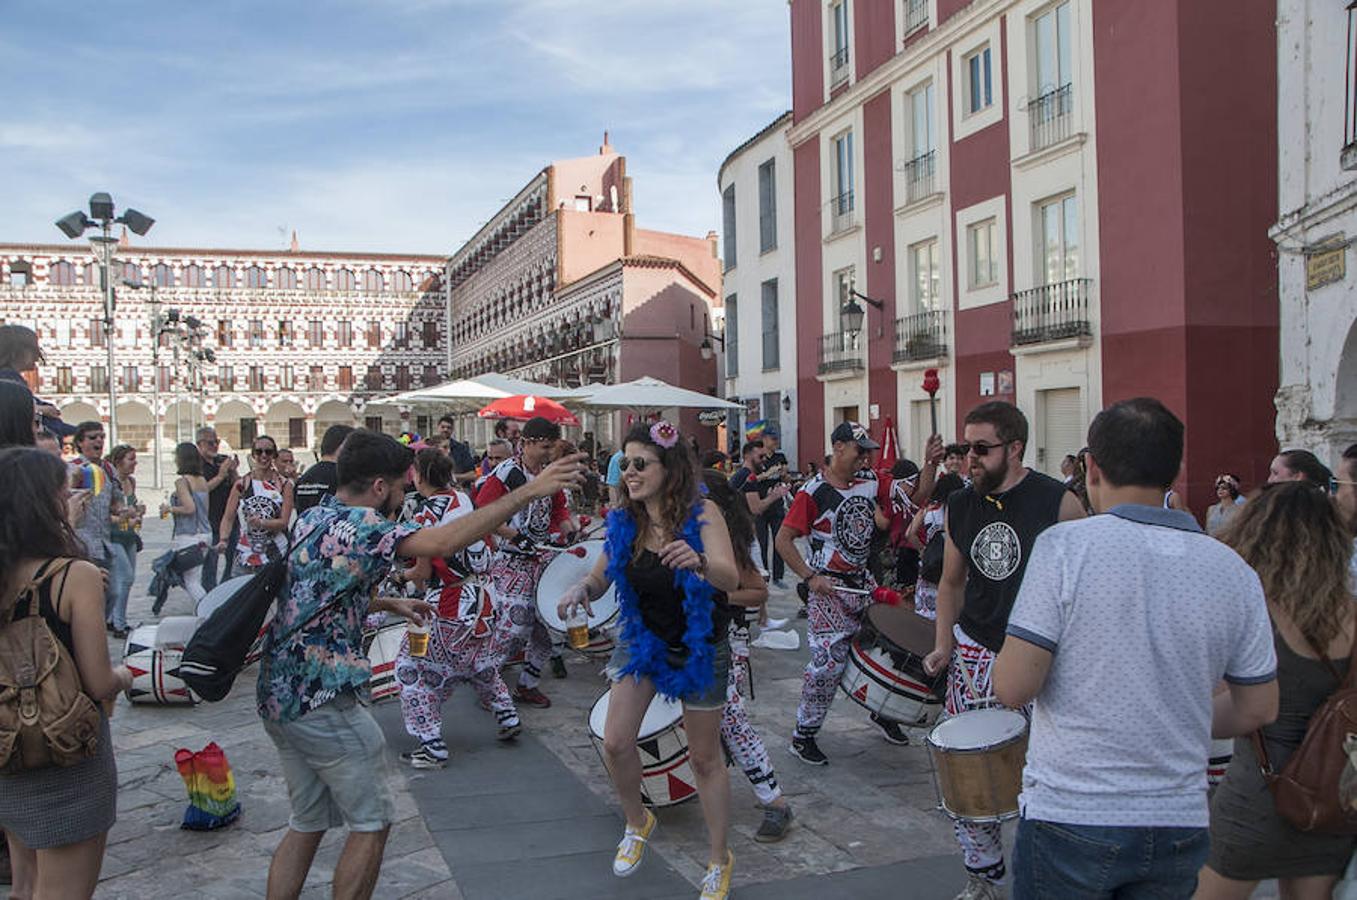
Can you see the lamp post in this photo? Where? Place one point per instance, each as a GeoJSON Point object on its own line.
{"type": "Point", "coordinates": [852, 314]}
{"type": "Point", "coordinates": [101, 217]}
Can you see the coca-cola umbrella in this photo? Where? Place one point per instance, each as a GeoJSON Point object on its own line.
{"type": "Point", "coordinates": [522, 407]}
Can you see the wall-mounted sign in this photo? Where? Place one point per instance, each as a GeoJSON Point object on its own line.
{"type": "Point", "coordinates": [1005, 386]}
{"type": "Point", "coordinates": [711, 417]}
{"type": "Point", "coordinates": [986, 384]}
{"type": "Point", "coordinates": [1325, 267]}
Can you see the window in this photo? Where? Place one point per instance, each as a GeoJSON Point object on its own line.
{"type": "Point", "coordinates": [768, 300]}
{"type": "Point", "coordinates": [372, 379]}
{"type": "Point", "coordinates": [979, 83]}
{"type": "Point", "coordinates": [838, 59]}
{"type": "Point", "coordinates": [402, 378]}
{"type": "Point", "coordinates": [65, 383]}
{"type": "Point", "coordinates": [285, 377]}
{"type": "Point", "coordinates": [345, 378]}
{"type": "Point", "coordinates": [1052, 43]}
{"type": "Point", "coordinates": [193, 276]}
{"type": "Point", "coordinates": [62, 273]}
{"type": "Point", "coordinates": [728, 225]}
{"type": "Point", "coordinates": [772, 410]}
{"type": "Point", "coordinates": [431, 376]}
{"type": "Point", "coordinates": [256, 333]}
{"type": "Point", "coordinates": [163, 381]}
{"type": "Point", "coordinates": [372, 281]}
{"type": "Point", "coordinates": [916, 15]}
{"type": "Point", "coordinates": [163, 275]}
{"type": "Point", "coordinates": [843, 290]}
{"type": "Point", "coordinates": [223, 332]}
{"type": "Point", "coordinates": [284, 333]}
{"type": "Point", "coordinates": [132, 272]}
{"type": "Point", "coordinates": [131, 380]}
{"type": "Point", "coordinates": [980, 250]}
{"type": "Point", "coordinates": [1347, 160]}
{"type": "Point", "coordinates": [430, 334]}
{"type": "Point", "coordinates": [1058, 253]}
{"type": "Point", "coordinates": [921, 119]}
{"type": "Point", "coordinates": [256, 378]}
{"type": "Point", "coordinates": [401, 340]}
{"type": "Point", "coordinates": [91, 277]}
{"type": "Point", "coordinates": [373, 423]}
{"type": "Point", "coordinates": [401, 281]}
{"type": "Point", "coordinates": [256, 277]}
{"type": "Point", "coordinates": [732, 337]}
{"type": "Point", "coordinates": [344, 333]}
{"type": "Point", "coordinates": [925, 281]}
{"type": "Point", "coordinates": [98, 379]}
{"type": "Point", "coordinates": [285, 279]}
{"type": "Point", "coordinates": [316, 380]}
{"type": "Point", "coordinates": [842, 204]}
{"type": "Point", "coordinates": [315, 334]}
{"type": "Point", "coordinates": [344, 280]}
{"type": "Point", "coordinates": [223, 277]}
{"type": "Point", "coordinates": [767, 206]}
{"type": "Point", "coordinates": [315, 279]}
{"type": "Point", "coordinates": [374, 335]}
{"type": "Point", "coordinates": [96, 332]}
{"type": "Point", "coordinates": [226, 378]}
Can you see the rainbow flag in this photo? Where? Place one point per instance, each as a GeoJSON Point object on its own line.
{"type": "Point", "coordinates": [88, 477]}
{"type": "Point", "coordinates": [211, 788]}
{"type": "Point", "coordinates": [755, 430]}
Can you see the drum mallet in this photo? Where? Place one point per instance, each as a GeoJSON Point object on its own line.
{"type": "Point", "coordinates": [931, 385]}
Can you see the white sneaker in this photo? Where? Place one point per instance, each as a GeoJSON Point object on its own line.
{"type": "Point", "coordinates": [978, 888]}
{"type": "Point", "coordinates": [632, 848]}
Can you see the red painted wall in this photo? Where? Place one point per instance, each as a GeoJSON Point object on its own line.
{"type": "Point", "coordinates": [810, 395]}
{"type": "Point", "coordinates": [949, 8]}
{"type": "Point", "coordinates": [808, 74]}
{"type": "Point", "coordinates": [1186, 121]}
{"type": "Point", "coordinates": [879, 231]}
{"type": "Point", "coordinates": [873, 33]}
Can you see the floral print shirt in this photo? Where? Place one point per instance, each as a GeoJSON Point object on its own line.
{"type": "Point", "coordinates": [339, 553]}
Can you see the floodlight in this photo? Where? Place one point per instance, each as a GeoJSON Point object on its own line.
{"type": "Point", "coordinates": [140, 223]}
{"type": "Point", "coordinates": [73, 225]}
{"type": "Point", "coordinates": [101, 206]}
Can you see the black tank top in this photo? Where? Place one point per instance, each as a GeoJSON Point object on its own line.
{"type": "Point", "coordinates": [46, 607]}
{"type": "Point", "coordinates": [995, 534]}
{"type": "Point", "coordinates": [661, 601]}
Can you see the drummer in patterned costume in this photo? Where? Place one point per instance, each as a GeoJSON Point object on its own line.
{"type": "Point", "coordinates": [838, 512]}
{"type": "Point", "coordinates": [991, 526]}
{"type": "Point", "coordinates": [460, 646]}
{"type": "Point", "coordinates": [521, 559]}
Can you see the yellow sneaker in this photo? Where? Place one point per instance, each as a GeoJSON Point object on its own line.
{"type": "Point", "coordinates": [716, 883]}
{"type": "Point", "coordinates": [632, 848]}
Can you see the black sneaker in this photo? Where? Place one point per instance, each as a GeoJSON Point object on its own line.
{"type": "Point", "coordinates": [806, 750]}
{"type": "Point", "coordinates": [424, 758]}
{"type": "Point", "coordinates": [776, 821]}
{"type": "Point", "coordinates": [557, 667]}
{"type": "Point", "coordinates": [891, 731]}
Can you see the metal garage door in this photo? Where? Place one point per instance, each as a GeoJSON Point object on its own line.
{"type": "Point", "coordinates": [1060, 428]}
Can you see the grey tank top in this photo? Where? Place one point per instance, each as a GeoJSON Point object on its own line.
{"type": "Point", "coordinates": [196, 523]}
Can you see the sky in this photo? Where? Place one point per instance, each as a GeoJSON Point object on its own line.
{"type": "Point", "coordinates": [371, 125]}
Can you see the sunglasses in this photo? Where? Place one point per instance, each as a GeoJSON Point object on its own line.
{"type": "Point", "coordinates": [1335, 482]}
{"type": "Point", "coordinates": [638, 463]}
{"type": "Point", "coordinates": [263, 451]}
{"type": "Point", "coordinates": [980, 448]}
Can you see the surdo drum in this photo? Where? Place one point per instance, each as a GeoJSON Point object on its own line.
{"type": "Point", "coordinates": [666, 772]}
{"type": "Point", "coordinates": [978, 757]}
{"type": "Point", "coordinates": [568, 568]}
{"type": "Point", "coordinates": [381, 646]}
{"type": "Point", "coordinates": [152, 653]}
{"type": "Point", "coordinates": [885, 671]}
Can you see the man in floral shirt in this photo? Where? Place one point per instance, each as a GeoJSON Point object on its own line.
{"type": "Point", "coordinates": [313, 676]}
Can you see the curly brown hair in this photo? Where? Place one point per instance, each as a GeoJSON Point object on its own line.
{"type": "Point", "coordinates": [677, 493]}
{"type": "Point", "coordinates": [1292, 537]}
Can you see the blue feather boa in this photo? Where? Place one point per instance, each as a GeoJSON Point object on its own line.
{"type": "Point", "coordinates": [648, 653]}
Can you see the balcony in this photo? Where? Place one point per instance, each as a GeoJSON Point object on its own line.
{"type": "Point", "coordinates": [920, 336]}
{"type": "Point", "coordinates": [840, 353]}
{"type": "Point", "coordinates": [919, 180]}
{"type": "Point", "coordinates": [1049, 116]}
{"type": "Point", "coordinates": [916, 15]}
{"type": "Point", "coordinates": [1052, 312]}
{"type": "Point", "coordinates": [841, 213]}
{"type": "Point", "coordinates": [838, 67]}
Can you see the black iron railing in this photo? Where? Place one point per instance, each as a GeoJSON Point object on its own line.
{"type": "Point", "coordinates": [841, 213]}
{"type": "Point", "coordinates": [1052, 312]}
{"type": "Point", "coordinates": [838, 66]}
{"type": "Point", "coordinates": [1049, 116]}
{"type": "Point", "coordinates": [840, 352]}
{"type": "Point", "coordinates": [921, 336]}
{"type": "Point", "coordinates": [919, 173]}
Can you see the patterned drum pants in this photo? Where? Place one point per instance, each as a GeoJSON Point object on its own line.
{"type": "Point", "coordinates": [513, 581]}
{"type": "Point", "coordinates": [742, 742]}
{"type": "Point", "coordinates": [454, 657]}
{"type": "Point", "coordinates": [833, 620]}
{"type": "Point", "coordinates": [981, 844]}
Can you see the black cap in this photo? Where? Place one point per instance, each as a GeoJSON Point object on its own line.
{"type": "Point", "coordinates": [846, 432]}
{"type": "Point", "coordinates": [539, 428]}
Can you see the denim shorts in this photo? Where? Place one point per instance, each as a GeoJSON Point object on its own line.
{"type": "Point", "coordinates": [714, 697]}
{"type": "Point", "coordinates": [334, 760]}
{"type": "Point", "coordinates": [1087, 861]}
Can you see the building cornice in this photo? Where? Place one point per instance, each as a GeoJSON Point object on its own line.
{"type": "Point", "coordinates": [218, 252]}
{"type": "Point", "coordinates": [780, 122]}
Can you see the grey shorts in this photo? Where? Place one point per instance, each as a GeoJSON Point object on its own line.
{"type": "Point", "coordinates": [715, 695]}
{"type": "Point", "coordinates": [334, 760]}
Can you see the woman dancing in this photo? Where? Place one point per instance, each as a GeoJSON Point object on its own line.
{"type": "Point", "coordinates": [669, 555]}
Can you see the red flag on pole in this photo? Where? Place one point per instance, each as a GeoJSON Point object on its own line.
{"type": "Point", "coordinates": [889, 447]}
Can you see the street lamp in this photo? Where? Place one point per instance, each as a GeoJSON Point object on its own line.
{"type": "Point", "coordinates": [852, 314]}
{"type": "Point", "coordinates": [101, 217]}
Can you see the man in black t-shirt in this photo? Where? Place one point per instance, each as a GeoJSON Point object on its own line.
{"type": "Point", "coordinates": [208, 442]}
{"type": "Point", "coordinates": [322, 479]}
{"type": "Point", "coordinates": [463, 460]}
{"type": "Point", "coordinates": [774, 470]}
{"type": "Point", "coordinates": [991, 527]}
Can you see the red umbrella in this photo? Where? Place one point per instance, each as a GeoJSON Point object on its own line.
{"type": "Point", "coordinates": [522, 407]}
{"type": "Point", "coordinates": [889, 447]}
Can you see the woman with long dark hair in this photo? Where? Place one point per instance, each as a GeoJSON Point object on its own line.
{"type": "Point", "coordinates": [18, 421]}
{"type": "Point", "coordinates": [189, 507]}
{"type": "Point", "coordinates": [1292, 536]}
{"type": "Point", "coordinates": [56, 819]}
{"type": "Point", "coordinates": [669, 555]}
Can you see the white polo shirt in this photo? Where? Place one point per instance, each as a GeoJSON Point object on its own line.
{"type": "Point", "coordinates": [1143, 614]}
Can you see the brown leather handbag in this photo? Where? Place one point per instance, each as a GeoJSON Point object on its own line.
{"type": "Point", "coordinates": [1306, 791]}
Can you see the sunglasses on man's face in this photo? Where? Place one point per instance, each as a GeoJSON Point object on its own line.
{"type": "Point", "coordinates": [979, 448]}
{"type": "Point", "coordinates": [638, 463]}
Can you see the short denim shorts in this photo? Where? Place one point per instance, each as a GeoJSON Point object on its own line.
{"type": "Point", "coordinates": [334, 760]}
{"type": "Point", "coordinates": [713, 698]}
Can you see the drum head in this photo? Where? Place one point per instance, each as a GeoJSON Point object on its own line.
{"type": "Point", "coordinates": [217, 597]}
{"type": "Point", "coordinates": [977, 729]}
{"type": "Point", "coordinates": [905, 627]}
{"type": "Point", "coordinates": [569, 568]}
{"type": "Point", "coordinates": [661, 715]}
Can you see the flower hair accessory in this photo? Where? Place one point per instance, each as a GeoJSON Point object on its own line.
{"type": "Point", "coordinates": [664, 434]}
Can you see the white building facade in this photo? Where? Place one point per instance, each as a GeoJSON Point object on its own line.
{"type": "Point", "coordinates": [1317, 194]}
{"type": "Point", "coordinates": [759, 260]}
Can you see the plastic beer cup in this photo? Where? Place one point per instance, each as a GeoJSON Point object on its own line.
{"type": "Point", "coordinates": [577, 628]}
{"type": "Point", "coordinates": [418, 635]}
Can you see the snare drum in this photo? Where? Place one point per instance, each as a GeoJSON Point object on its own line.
{"type": "Point", "coordinates": [1222, 751]}
{"type": "Point", "coordinates": [885, 671]}
{"type": "Point", "coordinates": [381, 648]}
{"type": "Point", "coordinates": [153, 652]}
{"type": "Point", "coordinates": [978, 757]}
{"type": "Point", "coordinates": [569, 568]}
{"type": "Point", "coordinates": [222, 594]}
{"type": "Point", "coordinates": [666, 773]}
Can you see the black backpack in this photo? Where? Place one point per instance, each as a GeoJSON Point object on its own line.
{"type": "Point", "coordinates": [219, 648]}
{"type": "Point", "coordinates": [930, 560]}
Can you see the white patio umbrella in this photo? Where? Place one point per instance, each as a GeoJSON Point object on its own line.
{"type": "Point", "coordinates": [644, 394]}
{"type": "Point", "coordinates": [473, 393]}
